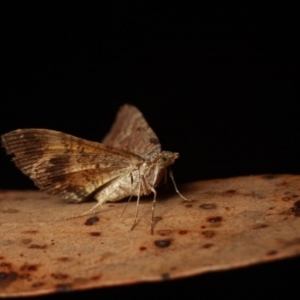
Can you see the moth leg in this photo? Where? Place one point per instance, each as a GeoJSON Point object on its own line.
{"type": "Point", "coordinates": [153, 207]}
{"type": "Point", "coordinates": [175, 186]}
{"type": "Point", "coordinates": [129, 199]}
{"type": "Point", "coordinates": [137, 203]}
{"type": "Point", "coordinates": [86, 212]}
{"type": "Point", "coordinates": [93, 208]}
{"type": "Point", "coordinates": [142, 186]}
{"type": "Point", "coordinates": [143, 183]}
{"type": "Point", "coordinates": [145, 188]}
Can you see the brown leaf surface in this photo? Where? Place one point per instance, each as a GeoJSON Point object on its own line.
{"type": "Point", "coordinates": [229, 223]}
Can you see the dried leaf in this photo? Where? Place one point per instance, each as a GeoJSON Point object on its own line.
{"type": "Point", "coordinates": [229, 223]}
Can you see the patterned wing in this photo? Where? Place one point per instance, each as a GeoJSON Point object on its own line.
{"type": "Point", "coordinates": [62, 164]}
{"type": "Point", "coordinates": [131, 132]}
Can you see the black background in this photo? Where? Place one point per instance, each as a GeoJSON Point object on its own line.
{"type": "Point", "coordinates": [219, 86]}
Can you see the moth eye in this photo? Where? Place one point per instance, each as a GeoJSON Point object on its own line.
{"type": "Point", "coordinates": [165, 160]}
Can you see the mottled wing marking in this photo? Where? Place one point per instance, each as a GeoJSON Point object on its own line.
{"type": "Point", "coordinates": [59, 163]}
{"type": "Point", "coordinates": [131, 132]}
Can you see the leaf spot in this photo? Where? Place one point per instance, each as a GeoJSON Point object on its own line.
{"type": "Point", "coordinates": [229, 192]}
{"type": "Point", "coordinates": [5, 265]}
{"type": "Point", "coordinates": [90, 221]}
{"type": "Point", "coordinates": [59, 276]}
{"type": "Point", "coordinates": [63, 259]}
{"type": "Point", "coordinates": [95, 233]}
{"type": "Point", "coordinates": [9, 211]}
{"type": "Point", "coordinates": [216, 219]}
{"type": "Point", "coordinates": [296, 209]}
{"type": "Point", "coordinates": [269, 176]}
{"type": "Point", "coordinates": [286, 198]}
{"type": "Point", "coordinates": [183, 232]}
{"type": "Point", "coordinates": [272, 252]}
{"type": "Point", "coordinates": [260, 226]}
{"type": "Point", "coordinates": [208, 206]}
{"type": "Point", "coordinates": [27, 267]}
{"type": "Point", "coordinates": [38, 284]}
{"type": "Point", "coordinates": [35, 246]}
{"type": "Point", "coordinates": [162, 243]}
{"type": "Point", "coordinates": [164, 232]}
{"type": "Point", "coordinates": [30, 232]}
{"type": "Point", "coordinates": [6, 278]}
{"type": "Point", "coordinates": [165, 276]}
{"type": "Point", "coordinates": [63, 287]}
{"type": "Point", "coordinates": [208, 233]}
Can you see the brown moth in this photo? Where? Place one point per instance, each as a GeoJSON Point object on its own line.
{"type": "Point", "coordinates": [129, 162]}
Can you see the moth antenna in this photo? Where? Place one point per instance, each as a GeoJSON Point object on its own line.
{"type": "Point", "coordinates": [175, 186]}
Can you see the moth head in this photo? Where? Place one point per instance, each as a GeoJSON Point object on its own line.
{"type": "Point", "coordinates": [167, 158]}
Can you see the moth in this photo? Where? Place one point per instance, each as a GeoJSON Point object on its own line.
{"type": "Point", "coordinates": [129, 161]}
